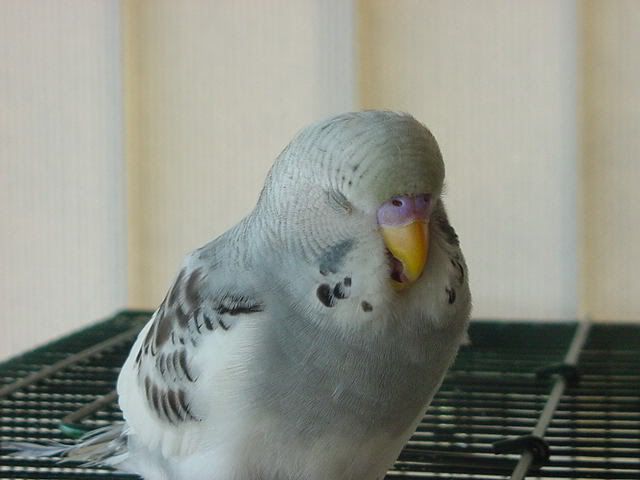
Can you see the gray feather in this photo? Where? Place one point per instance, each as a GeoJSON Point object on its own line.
{"type": "Point", "coordinates": [106, 446]}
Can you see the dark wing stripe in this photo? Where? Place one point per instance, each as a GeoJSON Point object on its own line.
{"type": "Point", "coordinates": [165, 366]}
{"type": "Point", "coordinates": [192, 292]}
{"type": "Point", "coordinates": [155, 398]}
{"type": "Point", "coordinates": [174, 405]}
{"type": "Point", "coordinates": [160, 363]}
{"type": "Point", "coordinates": [175, 290]}
{"type": "Point", "coordinates": [174, 363]}
{"type": "Point", "coordinates": [139, 355]}
{"type": "Point", "coordinates": [149, 335]}
{"type": "Point", "coordinates": [166, 412]}
{"type": "Point", "coordinates": [182, 359]}
{"type": "Point", "coordinates": [169, 405]}
{"type": "Point", "coordinates": [195, 320]}
{"type": "Point", "coordinates": [163, 328]}
{"type": "Point", "coordinates": [149, 339]}
{"type": "Point", "coordinates": [185, 406]}
{"type": "Point", "coordinates": [183, 317]}
{"type": "Point", "coordinates": [147, 388]}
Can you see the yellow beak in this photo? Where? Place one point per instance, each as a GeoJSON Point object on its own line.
{"type": "Point", "coordinates": [409, 244]}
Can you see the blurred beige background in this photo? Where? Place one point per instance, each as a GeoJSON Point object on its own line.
{"type": "Point", "coordinates": [134, 131]}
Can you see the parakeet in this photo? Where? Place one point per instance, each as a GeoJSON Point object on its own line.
{"type": "Point", "coordinates": [306, 342]}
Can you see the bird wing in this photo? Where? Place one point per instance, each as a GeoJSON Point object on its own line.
{"type": "Point", "coordinates": [164, 387]}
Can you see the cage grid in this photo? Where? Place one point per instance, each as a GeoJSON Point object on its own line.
{"type": "Point", "coordinates": [523, 399]}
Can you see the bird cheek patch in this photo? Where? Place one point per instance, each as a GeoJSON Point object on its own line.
{"type": "Point", "coordinates": [325, 295]}
{"type": "Point", "coordinates": [328, 295]}
{"type": "Point", "coordinates": [342, 290]}
{"type": "Point", "coordinates": [332, 258]}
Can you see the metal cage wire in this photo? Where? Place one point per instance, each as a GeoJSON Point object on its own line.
{"type": "Point", "coordinates": [534, 400]}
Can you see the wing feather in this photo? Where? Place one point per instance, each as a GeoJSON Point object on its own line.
{"type": "Point", "coordinates": [159, 383]}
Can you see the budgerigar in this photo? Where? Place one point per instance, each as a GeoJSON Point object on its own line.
{"type": "Point", "coordinates": [306, 342]}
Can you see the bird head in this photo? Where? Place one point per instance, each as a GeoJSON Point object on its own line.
{"type": "Point", "coordinates": [356, 192]}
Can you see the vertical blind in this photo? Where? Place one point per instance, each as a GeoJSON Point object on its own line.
{"type": "Point", "coordinates": [134, 131]}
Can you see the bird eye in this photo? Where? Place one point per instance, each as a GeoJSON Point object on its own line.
{"type": "Point", "coordinates": [339, 202]}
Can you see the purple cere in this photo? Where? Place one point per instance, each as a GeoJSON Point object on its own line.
{"type": "Point", "coordinates": [404, 209]}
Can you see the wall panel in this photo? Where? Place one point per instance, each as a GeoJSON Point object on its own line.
{"type": "Point", "coordinates": [61, 168]}
{"type": "Point", "coordinates": [611, 154]}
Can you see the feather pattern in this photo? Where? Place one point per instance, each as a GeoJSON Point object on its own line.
{"type": "Point", "coordinates": [103, 446]}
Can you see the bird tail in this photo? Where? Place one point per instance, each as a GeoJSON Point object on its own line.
{"type": "Point", "coordinates": [103, 446]}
